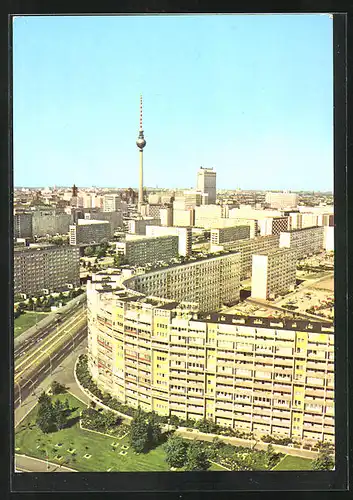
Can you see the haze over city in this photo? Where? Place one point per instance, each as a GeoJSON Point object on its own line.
{"type": "Point", "coordinates": [250, 96]}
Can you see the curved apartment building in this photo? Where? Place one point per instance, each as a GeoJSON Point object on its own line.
{"type": "Point", "coordinates": [255, 374]}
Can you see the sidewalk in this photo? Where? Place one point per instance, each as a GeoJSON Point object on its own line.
{"type": "Point", "coordinates": [23, 463]}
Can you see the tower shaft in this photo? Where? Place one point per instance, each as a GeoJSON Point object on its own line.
{"type": "Point", "coordinates": [140, 199]}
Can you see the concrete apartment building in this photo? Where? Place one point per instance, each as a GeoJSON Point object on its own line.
{"type": "Point", "coordinates": [210, 282]}
{"type": "Point", "coordinates": [111, 203]}
{"type": "Point", "coordinates": [45, 267]}
{"type": "Point", "coordinates": [114, 218]}
{"type": "Point", "coordinates": [22, 225]}
{"type": "Point", "coordinates": [307, 241]}
{"type": "Point", "coordinates": [282, 200]}
{"type": "Point", "coordinates": [138, 226]}
{"type": "Point", "coordinates": [189, 199]}
{"type": "Point", "coordinates": [247, 248]}
{"type": "Point", "coordinates": [49, 221]}
{"type": "Point", "coordinates": [206, 183]}
{"type": "Point", "coordinates": [253, 374]}
{"type": "Point", "coordinates": [273, 225]}
{"type": "Point", "coordinates": [89, 231]}
{"type": "Point", "coordinates": [329, 238]}
{"type": "Point", "coordinates": [225, 234]}
{"type": "Point", "coordinates": [142, 250]}
{"type": "Point", "coordinates": [273, 273]}
{"type": "Point", "coordinates": [184, 235]}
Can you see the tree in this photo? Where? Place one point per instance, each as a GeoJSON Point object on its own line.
{"type": "Point", "coordinates": [196, 457]}
{"type": "Point", "coordinates": [324, 460]}
{"type": "Point", "coordinates": [270, 456]}
{"type": "Point", "coordinates": [46, 419]}
{"type": "Point", "coordinates": [139, 432]}
{"type": "Point", "coordinates": [59, 414]}
{"type": "Point", "coordinates": [44, 399]}
{"type": "Point", "coordinates": [57, 388]}
{"type": "Point", "coordinates": [175, 450]}
{"type": "Point", "coordinates": [154, 429]}
{"type": "Point", "coordinates": [89, 252]}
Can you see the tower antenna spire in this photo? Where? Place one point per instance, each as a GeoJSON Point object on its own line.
{"type": "Point", "coordinates": [141, 128]}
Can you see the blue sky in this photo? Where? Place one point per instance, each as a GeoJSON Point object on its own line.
{"type": "Point", "coordinates": [251, 96]}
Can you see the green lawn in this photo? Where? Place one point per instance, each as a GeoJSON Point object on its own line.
{"type": "Point", "coordinates": [85, 442]}
{"type": "Point", "coordinates": [26, 320]}
{"type": "Point", "coordinates": [293, 463]}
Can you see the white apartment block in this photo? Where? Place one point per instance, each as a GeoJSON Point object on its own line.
{"type": "Point", "coordinates": [138, 226]}
{"type": "Point", "coordinates": [282, 200]}
{"type": "Point", "coordinates": [142, 250]}
{"type": "Point", "coordinates": [329, 238]}
{"type": "Point", "coordinates": [45, 267]}
{"type": "Point", "coordinates": [184, 234]}
{"type": "Point", "coordinates": [254, 374]}
{"type": "Point", "coordinates": [166, 215]}
{"type": "Point", "coordinates": [210, 282]}
{"type": "Point", "coordinates": [206, 183]}
{"type": "Point", "coordinates": [89, 231]}
{"type": "Point", "coordinates": [184, 218]}
{"type": "Point", "coordinates": [273, 273]}
{"type": "Point", "coordinates": [154, 199]}
{"type": "Point", "coordinates": [305, 242]}
{"type": "Point", "coordinates": [189, 199]}
{"type": "Point", "coordinates": [225, 234]}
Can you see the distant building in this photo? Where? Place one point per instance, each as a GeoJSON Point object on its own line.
{"type": "Point", "coordinates": [111, 203]}
{"type": "Point", "coordinates": [114, 218]}
{"type": "Point", "coordinates": [207, 215]}
{"type": "Point", "coordinates": [166, 215]}
{"type": "Point", "coordinates": [184, 235]}
{"type": "Point", "coordinates": [89, 231]}
{"type": "Point", "coordinates": [22, 225]}
{"type": "Point", "coordinates": [273, 273]}
{"type": "Point", "coordinates": [184, 218]}
{"type": "Point", "coordinates": [144, 250]}
{"type": "Point", "coordinates": [47, 267]}
{"type": "Point", "coordinates": [307, 241]}
{"type": "Point", "coordinates": [282, 200]}
{"type": "Point", "coordinates": [49, 221]}
{"type": "Point", "coordinates": [206, 183]}
{"type": "Point", "coordinates": [189, 199]}
{"type": "Point", "coordinates": [222, 235]}
{"type": "Point", "coordinates": [273, 225]}
{"type": "Point", "coordinates": [138, 226]}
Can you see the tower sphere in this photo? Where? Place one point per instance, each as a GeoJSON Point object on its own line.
{"type": "Point", "coordinates": [141, 143]}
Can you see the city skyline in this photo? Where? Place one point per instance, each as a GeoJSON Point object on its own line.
{"type": "Point", "coordinates": [268, 112]}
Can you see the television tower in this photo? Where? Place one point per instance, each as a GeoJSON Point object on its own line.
{"type": "Point", "coordinates": [140, 143]}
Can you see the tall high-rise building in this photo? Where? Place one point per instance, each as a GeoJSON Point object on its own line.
{"type": "Point", "coordinates": [206, 183]}
{"type": "Point", "coordinates": [141, 143]}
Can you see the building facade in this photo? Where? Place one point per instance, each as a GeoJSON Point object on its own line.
{"type": "Point", "coordinates": [184, 218]}
{"type": "Point", "coordinates": [307, 241]}
{"type": "Point", "coordinates": [50, 222]}
{"type": "Point", "coordinates": [273, 273]}
{"type": "Point", "coordinates": [138, 226]}
{"type": "Point", "coordinates": [247, 248]}
{"type": "Point", "coordinates": [184, 236]}
{"type": "Point", "coordinates": [210, 282]}
{"type": "Point", "coordinates": [144, 250]}
{"type": "Point", "coordinates": [22, 225]}
{"type": "Point", "coordinates": [233, 233]}
{"type": "Point", "coordinates": [282, 200]}
{"type": "Point", "coordinates": [89, 231]}
{"type": "Point", "coordinates": [252, 374]}
{"type": "Point", "coordinates": [111, 203]}
{"type": "Point", "coordinates": [48, 267]}
{"type": "Point", "coordinates": [206, 183]}
{"type": "Point", "coordinates": [114, 218]}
